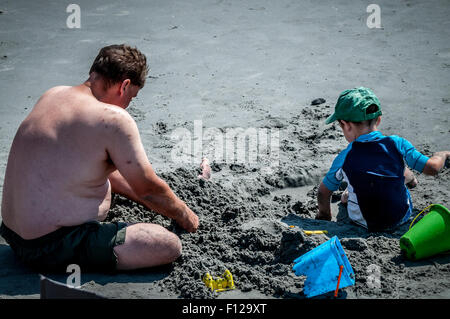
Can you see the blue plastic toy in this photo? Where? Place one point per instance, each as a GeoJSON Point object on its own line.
{"type": "Point", "coordinates": [326, 267]}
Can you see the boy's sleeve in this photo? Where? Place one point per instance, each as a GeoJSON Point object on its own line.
{"type": "Point", "coordinates": [334, 177]}
{"type": "Point", "coordinates": [413, 158]}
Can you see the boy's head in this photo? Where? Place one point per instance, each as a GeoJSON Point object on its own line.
{"type": "Point", "coordinates": [358, 112]}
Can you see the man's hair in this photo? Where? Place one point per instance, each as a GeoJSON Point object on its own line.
{"type": "Point", "coordinates": [118, 62]}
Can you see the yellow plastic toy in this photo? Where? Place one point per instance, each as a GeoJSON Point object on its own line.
{"type": "Point", "coordinates": [220, 283]}
{"type": "Point", "coordinates": [315, 232]}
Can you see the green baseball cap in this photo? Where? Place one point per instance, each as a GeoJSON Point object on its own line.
{"type": "Point", "coordinates": [352, 105]}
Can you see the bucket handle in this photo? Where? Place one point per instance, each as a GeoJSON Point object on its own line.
{"type": "Point", "coordinates": [341, 267]}
{"type": "Point", "coordinates": [418, 215]}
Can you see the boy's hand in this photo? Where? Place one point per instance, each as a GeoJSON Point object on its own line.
{"type": "Point", "coordinates": [412, 183]}
{"type": "Point", "coordinates": [436, 163]}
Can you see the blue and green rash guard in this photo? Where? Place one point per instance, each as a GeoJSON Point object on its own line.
{"type": "Point", "coordinates": [373, 166]}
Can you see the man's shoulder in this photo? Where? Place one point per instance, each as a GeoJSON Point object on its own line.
{"type": "Point", "coordinates": [117, 119]}
{"type": "Point", "coordinates": [55, 89]}
{"type": "Point", "coordinates": [115, 113]}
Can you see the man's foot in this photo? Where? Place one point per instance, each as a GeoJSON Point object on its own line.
{"type": "Point", "coordinates": [206, 169]}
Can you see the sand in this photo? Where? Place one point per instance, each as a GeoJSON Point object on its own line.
{"type": "Point", "coordinates": [245, 227]}
{"type": "Point", "coordinates": [259, 65]}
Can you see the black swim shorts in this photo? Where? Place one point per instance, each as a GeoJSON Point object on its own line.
{"type": "Point", "coordinates": [90, 246]}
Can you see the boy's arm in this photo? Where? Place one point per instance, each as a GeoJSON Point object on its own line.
{"type": "Point", "coordinates": [323, 200]}
{"type": "Point", "coordinates": [436, 163]}
{"type": "Point", "coordinates": [329, 184]}
{"type": "Point", "coordinates": [414, 159]}
{"type": "Point", "coordinates": [418, 161]}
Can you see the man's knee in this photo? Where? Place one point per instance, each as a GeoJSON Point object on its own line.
{"type": "Point", "coordinates": [168, 242]}
{"type": "Point", "coordinates": [148, 245]}
{"type": "Point", "coordinates": [175, 247]}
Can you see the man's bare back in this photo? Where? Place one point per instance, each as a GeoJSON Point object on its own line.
{"type": "Point", "coordinates": [58, 165]}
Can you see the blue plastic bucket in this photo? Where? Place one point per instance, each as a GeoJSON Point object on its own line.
{"type": "Point", "coordinates": [322, 266]}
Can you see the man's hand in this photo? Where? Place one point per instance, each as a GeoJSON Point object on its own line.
{"type": "Point", "coordinates": [163, 201]}
{"type": "Point", "coordinates": [166, 203]}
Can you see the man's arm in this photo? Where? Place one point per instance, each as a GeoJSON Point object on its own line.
{"type": "Point", "coordinates": [136, 178]}
{"type": "Point", "coordinates": [323, 200]}
{"type": "Point", "coordinates": [436, 163]}
{"type": "Point", "coordinates": [188, 220]}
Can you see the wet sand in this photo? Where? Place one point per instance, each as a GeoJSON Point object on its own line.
{"type": "Point", "coordinates": [246, 227]}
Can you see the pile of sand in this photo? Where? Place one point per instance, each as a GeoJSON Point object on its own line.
{"type": "Point", "coordinates": [245, 218]}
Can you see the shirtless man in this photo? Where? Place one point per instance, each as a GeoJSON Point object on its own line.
{"type": "Point", "coordinates": [77, 145]}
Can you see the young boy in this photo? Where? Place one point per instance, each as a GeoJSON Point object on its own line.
{"type": "Point", "coordinates": [373, 166]}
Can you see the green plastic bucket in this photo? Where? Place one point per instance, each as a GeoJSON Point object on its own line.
{"type": "Point", "coordinates": [429, 236]}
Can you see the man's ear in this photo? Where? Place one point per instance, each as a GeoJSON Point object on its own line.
{"type": "Point", "coordinates": [124, 86]}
